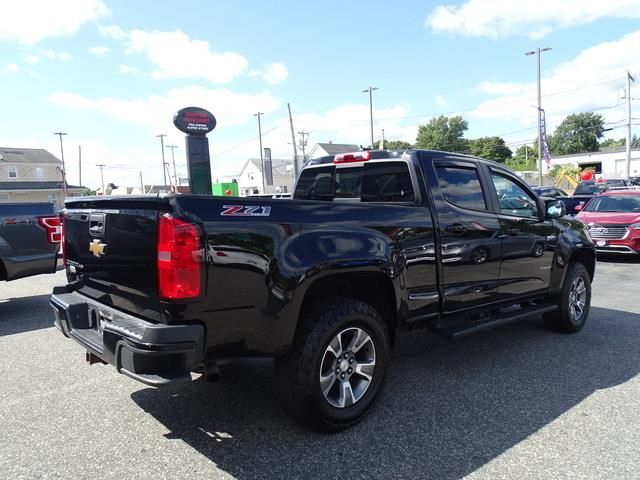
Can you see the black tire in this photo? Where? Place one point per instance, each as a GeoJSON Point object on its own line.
{"type": "Point", "coordinates": [479, 255]}
{"type": "Point", "coordinates": [298, 372]}
{"type": "Point", "coordinates": [538, 249]}
{"type": "Point", "coordinates": [565, 318]}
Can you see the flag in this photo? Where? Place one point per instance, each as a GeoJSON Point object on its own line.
{"type": "Point", "coordinates": [543, 139]}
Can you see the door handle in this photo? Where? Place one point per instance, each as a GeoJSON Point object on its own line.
{"type": "Point", "coordinates": [455, 228]}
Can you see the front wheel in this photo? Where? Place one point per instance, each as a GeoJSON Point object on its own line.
{"type": "Point", "coordinates": [336, 367]}
{"type": "Point", "coordinates": [573, 301]}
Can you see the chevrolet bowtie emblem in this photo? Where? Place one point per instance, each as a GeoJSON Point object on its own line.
{"type": "Point", "coordinates": [97, 248]}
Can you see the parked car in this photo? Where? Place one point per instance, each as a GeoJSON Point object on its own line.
{"type": "Point", "coordinates": [584, 192]}
{"type": "Point", "coordinates": [614, 221]}
{"type": "Point", "coordinates": [373, 242]}
{"type": "Point", "coordinates": [29, 239]}
{"type": "Point", "coordinates": [549, 192]}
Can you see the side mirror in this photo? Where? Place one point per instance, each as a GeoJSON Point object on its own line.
{"type": "Point", "coordinates": [579, 207]}
{"type": "Point", "coordinates": [555, 209]}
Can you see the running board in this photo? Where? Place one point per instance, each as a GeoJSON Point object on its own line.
{"type": "Point", "coordinates": [477, 326]}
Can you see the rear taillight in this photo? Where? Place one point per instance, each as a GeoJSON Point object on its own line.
{"type": "Point", "coordinates": [63, 238]}
{"type": "Point", "coordinates": [179, 259]}
{"type": "Point", "coordinates": [52, 227]}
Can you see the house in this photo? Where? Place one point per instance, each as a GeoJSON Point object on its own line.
{"type": "Point", "coordinates": [32, 175]}
{"type": "Point", "coordinates": [325, 149]}
{"type": "Point", "coordinates": [611, 162]}
{"type": "Point", "coordinates": [250, 177]}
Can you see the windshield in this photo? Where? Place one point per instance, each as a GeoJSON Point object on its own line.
{"type": "Point", "coordinates": [619, 203]}
{"type": "Point", "coordinates": [589, 188]}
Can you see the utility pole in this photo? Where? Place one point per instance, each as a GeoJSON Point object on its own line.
{"type": "Point", "coordinates": [80, 165]}
{"type": "Point", "coordinates": [293, 142]}
{"type": "Point", "coordinates": [628, 142]}
{"type": "Point", "coordinates": [173, 158]}
{"type": "Point", "coordinates": [102, 165]}
{"type": "Point", "coordinates": [537, 52]}
{"type": "Point", "coordinates": [370, 90]}
{"type": "Point", "coordinates": [64, 170]}
{"type": "Point", "coordinates": [303, 144]}
{"type": "Point", "coordinates": [141, 184]}
{"type": "Point", "coordinates": [164, 172]}
{"type": "Point", "coordinates": [166, 166]}
{"type": "Point", "coordinates": [382, 140]}
{"type": "Point", "coordinates": [261, 154]}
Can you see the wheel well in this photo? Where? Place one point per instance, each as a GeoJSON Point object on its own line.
{"type": "Point", "coordinates": [587, 258]}
{"type": "Point", "coordinates": [3, 271]}
{"type": "Point", "coordinates": [370, 287]}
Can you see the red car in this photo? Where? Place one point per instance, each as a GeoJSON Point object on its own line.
{"type": "Point", "coordinates": [614, 221]}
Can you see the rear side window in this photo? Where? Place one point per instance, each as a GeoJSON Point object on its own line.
{"type": "Point", "coordinates": [373, 182]}
{"type": "Point", "coordinates": [461, 187]}
{"type": "Point", "coordinates": [316, 184]}
{"type": "Point", "coordinates": [387, 182]}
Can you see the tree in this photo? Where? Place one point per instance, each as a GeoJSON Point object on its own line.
{"type": "Point", "coordinates": [635, 142]}
{"type": "Point", "coordinates": [577, 133]}
{"type": "Point", "coordinates": [491, 148]}
{"type": "Point", "coordinates": [524, 159]}
{"type": "Point", "coordinates": [391, 145]}
{"type": "Point", "coordinates": [611, 142]}
{"type": "Point", "coordinates": [443, 133]}
{"type": "Point", "coordinates": [396, 145]}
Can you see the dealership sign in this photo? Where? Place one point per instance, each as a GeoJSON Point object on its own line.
{"type": "Point", "coordinates": [194, 121]}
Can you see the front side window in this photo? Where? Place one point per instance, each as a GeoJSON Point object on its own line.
{"type": "Point", "coordinates": [461, 186]}
{"type": "Point", "coordinates": [512, 198]}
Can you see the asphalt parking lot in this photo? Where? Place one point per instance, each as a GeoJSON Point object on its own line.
{"type": "Point", "coordinates": [516, 402]}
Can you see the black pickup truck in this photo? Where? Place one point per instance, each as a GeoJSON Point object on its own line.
{"type": "Point", "coordinates": [167, 287]}
{"type": "Point", "coordinates": [29, 239]}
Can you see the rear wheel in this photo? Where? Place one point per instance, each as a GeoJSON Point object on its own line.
{"type": "Point", "coordinates": [335, 370]}
{"type": "Point", "coordinates": [573, 301]}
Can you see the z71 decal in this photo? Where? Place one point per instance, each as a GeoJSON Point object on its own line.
{"type": "Point", "coordinates": [245, 211]}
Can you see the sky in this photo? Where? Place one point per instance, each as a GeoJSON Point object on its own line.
{"type": "Point", "coordinates": [111, 73]}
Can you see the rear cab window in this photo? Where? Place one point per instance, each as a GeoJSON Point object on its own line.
{"type": "Point", "coordinates": [377, 180]}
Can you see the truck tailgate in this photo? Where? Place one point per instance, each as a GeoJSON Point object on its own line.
{"type": "Point", "coordinates": [111, 253]}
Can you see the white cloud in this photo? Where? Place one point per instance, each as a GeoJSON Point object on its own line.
{"type": "Point", "coordinates": [273, 74]}
{"type": "Point", "coordinates": [30, 21]}
{"type": "Point", "coordinates": [156, 111]}
{"type": "Point", "coordinates": [99, 50]}
{"type": "Point", "coordinates": [127, 69]}
{"type": "Point", "coordinates": [53, 55]}
{"type": "Point", "coordinates": [112, 31]}
{"type": "Point", "coordinates": [501, 18]}
{"type": "Point", "coordinates": [176, 55]}
{"type": "Point", "coordinates": [590, 81]}
{"type": "Point", "coordinates": [12, 68]}
{"type": "Point", "coordinates": [441, 101]}
{"type": "Point", "coordinates": [32, 59]}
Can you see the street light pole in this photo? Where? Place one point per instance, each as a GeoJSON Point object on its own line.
{"type": "Point", "coordinates": [64, 170]}
{"type": "Point", "coordinates": [370, 90]}
{"type": "Point", "coordinates": [102, 165]}
{"type": "Point", "coordinates": [537, 52]}
{"type": "Point", "coordinates": [173, 158]}
{"type": "Point", "coordinates": [261, 154]}
{"type": "Point", "coordinates": [164, 171]}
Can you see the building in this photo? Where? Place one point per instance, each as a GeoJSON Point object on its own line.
{"type": "Point", "coordinates": [250, 178]}
{"type": "Point", "coordinates": [32, 175]}
{"type": "Point", "coordinates": [325, 149]}
{"type": "Point", "coordinates": [611, 162]}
